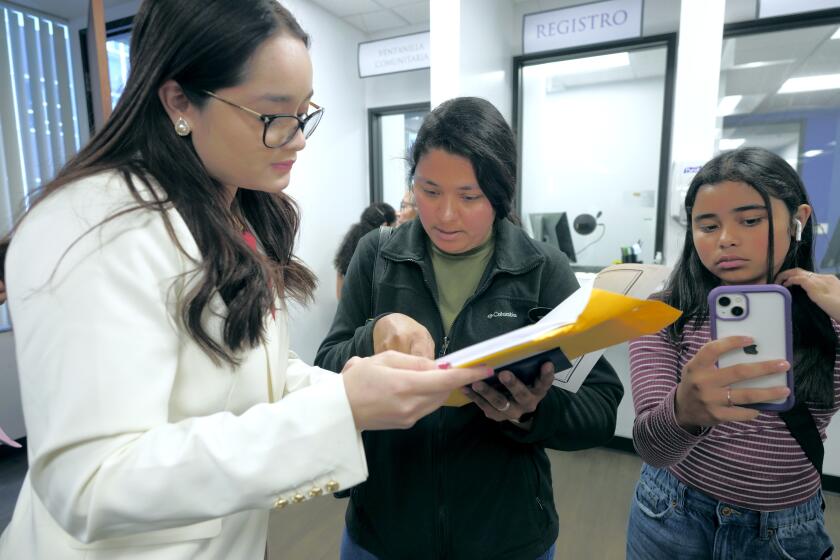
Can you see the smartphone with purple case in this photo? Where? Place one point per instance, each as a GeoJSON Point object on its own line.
{"type": "Point", "coordinates": [763, 313]}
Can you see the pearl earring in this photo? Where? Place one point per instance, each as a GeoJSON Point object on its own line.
{"type": "Point", "coordinates": [182, 127]}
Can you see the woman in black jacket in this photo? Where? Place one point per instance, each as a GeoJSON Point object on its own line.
{"type": "Point", "coordinates": [472, 481]}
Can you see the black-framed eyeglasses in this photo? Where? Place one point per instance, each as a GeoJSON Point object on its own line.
{"type": "Point", "coordinates": [279, 129]}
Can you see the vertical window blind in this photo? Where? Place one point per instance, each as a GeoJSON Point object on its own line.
{"type": "Point", "coordinates": [39, 124]}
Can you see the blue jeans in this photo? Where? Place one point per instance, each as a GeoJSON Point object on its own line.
{"type": "Point", "coordinates": [351, 551]}
{"type": "Point", "coordinates": [670, 520]}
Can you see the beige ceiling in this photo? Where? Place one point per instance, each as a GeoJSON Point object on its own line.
{"type": "Point", "coordinates": [378, 16]}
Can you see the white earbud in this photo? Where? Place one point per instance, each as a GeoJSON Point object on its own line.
{"type": "Point", "coordinates": [798, 235]}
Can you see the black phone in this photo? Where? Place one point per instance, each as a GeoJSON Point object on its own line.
{"type": "Point", "coordinates": [528, 369]}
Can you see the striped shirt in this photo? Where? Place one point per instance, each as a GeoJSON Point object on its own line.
{"type": "Point", "coordinates": [756, 464]}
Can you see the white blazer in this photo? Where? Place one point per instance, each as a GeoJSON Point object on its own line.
{"type": "Point", "coordinates": [140, 446]}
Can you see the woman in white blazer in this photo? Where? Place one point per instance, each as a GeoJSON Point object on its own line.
{"type": "Point", "coordinates": [165, 413]}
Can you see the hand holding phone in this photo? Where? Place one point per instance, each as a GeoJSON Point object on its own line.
{"type": "Point", "coordinates": [528, 370]}
{"type": "Point", "coordinates": [515, 398]}
{"type": "Point", "coordinates": [761, 312]}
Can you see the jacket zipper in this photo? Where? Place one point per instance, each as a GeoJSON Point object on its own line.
{"type": "Point", "coordinates": [439, 436]}
{"type": "Point", "coordinates": [440, 533]}
{"type": "Point", "coordinates": [444, 347]}
{"type": "Point", "coordinates": [436, 442]}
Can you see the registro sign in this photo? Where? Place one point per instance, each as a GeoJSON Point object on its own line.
{"type": "Point", "coordinates": [597, 22]}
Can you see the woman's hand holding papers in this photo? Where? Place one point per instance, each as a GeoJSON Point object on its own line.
{"type": "Point", "coordinates": [393, 391]}
{"type": "Point", "coordinates": [522, 400]}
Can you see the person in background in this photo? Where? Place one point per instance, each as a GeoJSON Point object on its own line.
{"type": "Point", "coordinates": [721, 480]}
{"type": "Point", "coordinates": [408, 207]}
{"type": "Point", "coordinates": [374, 216]}
{"type": "Point", "coordinates": [165, 413]}
{"type": "Point", "coordinates": [474, 481]}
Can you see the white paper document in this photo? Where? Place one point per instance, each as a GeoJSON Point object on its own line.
{"type": "Point", "coordinates": [632, 279]}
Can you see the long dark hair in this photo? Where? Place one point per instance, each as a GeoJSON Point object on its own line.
{"type": "Point", "coordinates": [372, 217]}
{"type": "Point", "coordinates": [473, 128]}
{"type": "Point", "coordinates": [202, 45]}
{"type": "Point", "coordinates": [815, 342]}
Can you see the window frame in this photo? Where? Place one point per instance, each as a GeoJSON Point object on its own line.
{"type": "Point", "coordinates": [790, 22]}
{"type": "Point", "coordinates": [375, 115]}
{"type": "Point", "coordinates": [667, 40]}
{"type": "Point", "coordinates": [114, 27]}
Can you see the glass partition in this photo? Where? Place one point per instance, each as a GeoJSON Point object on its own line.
{"type": "Point", "coordinates": [591, 149]}
{"type": "Point", "coordinates": [781, 90]}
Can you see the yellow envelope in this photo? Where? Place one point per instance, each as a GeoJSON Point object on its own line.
{"type": "Point", "coordinates": [608, 319]}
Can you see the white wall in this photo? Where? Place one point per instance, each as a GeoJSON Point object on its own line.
{"type": "Point", "coordinates": [444, 50]}
{"type": "Point", "coordinates": [397, 89]}
{"type": "Point", "coordinates": [488, 44]}
{"type": "Point", "coordinates": [330, 181]}
{"type": "Point", "coordinates": [473, 45]}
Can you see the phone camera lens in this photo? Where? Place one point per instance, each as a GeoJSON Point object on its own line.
{"type": "Point", "coordinates": [737, 311]}
{"type": "Point", "coordinates": [724, 301]}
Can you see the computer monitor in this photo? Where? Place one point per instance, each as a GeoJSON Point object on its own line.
{"type": "Point", "coordinates": [553, 228]}
{"type": "Point", "coordinates": [831, 259]}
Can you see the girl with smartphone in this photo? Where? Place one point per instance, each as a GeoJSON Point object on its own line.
{"type": "Point", "coordinates": [720, 479]}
